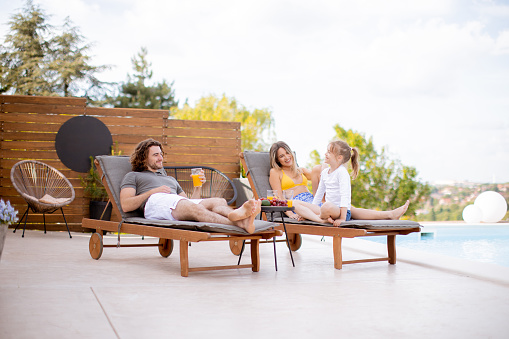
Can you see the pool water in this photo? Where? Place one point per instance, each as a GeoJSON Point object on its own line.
{"type": "Point", "coordinates": [482, 242]}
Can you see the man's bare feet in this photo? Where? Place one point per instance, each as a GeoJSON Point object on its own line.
{"type": "Point", "coordinates": [245, 215]}
{"type": "Point", "coordinates": [398, 212]}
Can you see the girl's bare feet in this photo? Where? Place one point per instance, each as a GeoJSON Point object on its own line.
{"type": "Point", "coordinates": [398, 212]}
{"type": "Point", "coordinates": [245, 215]}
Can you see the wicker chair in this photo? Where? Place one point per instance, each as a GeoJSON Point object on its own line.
{"type": "Point", "coordinates": [44, 188]}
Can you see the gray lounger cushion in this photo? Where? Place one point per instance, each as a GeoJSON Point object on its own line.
{"type": "Point", "coordinates": [116, 167]}
{"type": "Point", "coordinates": [258, 164]}
{"type": "Point", "coordinates": [364, 224]}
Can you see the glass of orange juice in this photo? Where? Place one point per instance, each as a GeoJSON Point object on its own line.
{"type": "Point", "coordinates": [271, 194]}
{"type": "Point", "coordinates": [195, 173]}
{"type": "Point", "coordinates": [288, 195]}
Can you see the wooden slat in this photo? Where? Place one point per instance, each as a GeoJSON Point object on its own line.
{"type": "Point", "coordinates": [200, 150]}
{"type": "Point", "coordinates": [27, 145]}
{"type": "Point", "coordinates": [29, 136]}
{"type": "Point", "coordinates": [202, 133]}
{"type": "Point", "coordinates": [142, 131]}
{"type": "Point", "coordinates": [43, 109]}
{"type": "Point", "coordinates": [203, 159]}
{"type": "Point", "coordinates": [60, 119]}
{"type": "Point", "coordinates": [42, 100]}
{"type": "Point", "coordinates": [198, 124]}
{"type": "Point", "coordinates": [204, 142]}
{"type": "Point", "coordinates": [30, 127]}
{"type": "Point", "coordinates": [127, 112]}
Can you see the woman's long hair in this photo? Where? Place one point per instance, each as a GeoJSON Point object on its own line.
{"type": "Point", "coordinates": [274, 161]}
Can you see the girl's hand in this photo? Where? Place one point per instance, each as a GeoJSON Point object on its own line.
{"type": "Point", "coordinates": [338, 222]}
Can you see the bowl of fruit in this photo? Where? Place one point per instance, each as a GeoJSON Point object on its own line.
{"type": "Point", "coordinates": [274, 202]}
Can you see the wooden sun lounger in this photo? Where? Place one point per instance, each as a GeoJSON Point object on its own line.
{"type": "Point", "coordinates": [257, 167]}
{"type": "Point", "coordinates": [112, 170]}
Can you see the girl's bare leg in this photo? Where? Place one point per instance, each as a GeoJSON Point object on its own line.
{"type": "Point", "coordinates": [330, 211]}
{"type": "Point", "coordinates": [308, 211]}
{"type": "Point", "coordinates": [365, 214]}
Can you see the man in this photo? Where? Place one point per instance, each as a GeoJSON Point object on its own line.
{"type": "Point", "coordinates": [160, 196]}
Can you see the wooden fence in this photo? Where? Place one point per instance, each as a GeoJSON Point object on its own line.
{"type": "Point", "coordinates": [29, 125]}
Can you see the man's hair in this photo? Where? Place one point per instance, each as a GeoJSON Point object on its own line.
{"type": "Point", "coordinates": [139, 157]}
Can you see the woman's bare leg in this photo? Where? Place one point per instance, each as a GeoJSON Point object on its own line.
{"type": "Point", "coordinates": [366, 214]}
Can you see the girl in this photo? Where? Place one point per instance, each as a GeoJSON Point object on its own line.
{"type": "Point", "coordinates": [335, 185]}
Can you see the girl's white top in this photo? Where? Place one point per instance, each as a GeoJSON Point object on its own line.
{"type": "Point", "coordinates": [336, 187]}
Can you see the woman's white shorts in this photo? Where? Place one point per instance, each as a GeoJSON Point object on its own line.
{"type": "Point", "coordinates": [159, 206]}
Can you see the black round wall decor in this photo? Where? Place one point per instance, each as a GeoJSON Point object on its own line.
{"type": "Point", "coordinates": [79, 138]}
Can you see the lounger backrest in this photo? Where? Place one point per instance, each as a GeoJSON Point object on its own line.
{"type": "Point", "coordinates": [114, 168]}
{"type": "Point", "coordinates": [258, 165]}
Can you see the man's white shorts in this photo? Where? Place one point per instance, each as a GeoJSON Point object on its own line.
{"type": "Point", "coordinates": [160, 205]}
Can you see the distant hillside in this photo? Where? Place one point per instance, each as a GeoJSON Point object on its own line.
{"type": "Point", "coordinates": [447, 202]}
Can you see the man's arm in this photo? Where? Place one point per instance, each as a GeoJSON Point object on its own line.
{"type": "Point", "coordinates": [130, 201]}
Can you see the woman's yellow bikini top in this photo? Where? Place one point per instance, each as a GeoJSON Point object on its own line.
{"type": "Point", "coordinates": [287, 182]}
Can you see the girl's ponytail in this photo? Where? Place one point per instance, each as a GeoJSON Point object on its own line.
{"type": "Point", "coordinates": [355, 162]}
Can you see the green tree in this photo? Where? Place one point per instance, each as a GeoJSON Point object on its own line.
{"type": "Point", "coordinates": [35, 60]}
{"type": "Point", "coordinates": [135, 93]}
{"type": "Point", "coordinates": [69, 66]}
{"type": "Point", "coordinates": [256, 125]}
{"type": "Point", "coordinates": [24, 54]}
{"type": "Point", "coordinates": [382, 183]}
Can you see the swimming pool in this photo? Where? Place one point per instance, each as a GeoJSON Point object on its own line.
{"type": "Point", "coordinates": [479, 242]}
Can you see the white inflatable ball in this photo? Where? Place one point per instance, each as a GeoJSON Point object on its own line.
{"type": "Point", "coordinates": [472, 214]}
{"type": "Point", "coordinates": [492, 205]}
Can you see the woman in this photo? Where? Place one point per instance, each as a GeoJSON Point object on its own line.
{"type": "Point", "coordinates": [285, 175]}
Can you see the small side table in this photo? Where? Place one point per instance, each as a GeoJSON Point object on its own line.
{"type": "Point", "coordinates": [272, 210]}
{"type": "Point", "coordinates": [281, 210]}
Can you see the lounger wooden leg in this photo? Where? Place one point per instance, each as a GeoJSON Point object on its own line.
{"type": "Point", "coordinates": [184, 258]}
{"type": "Point", "coordinates": [391, 248]}
{"type": "Point", "coordinates": [255, 254]}
{"type": "Point", "coordinates": [336, 247]}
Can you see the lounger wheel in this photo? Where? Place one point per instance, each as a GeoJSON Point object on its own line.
{"type": "Point", "coordinates": [236, 246]}
{"type": "Point", "coordinates": [95, 245]}
{"type": "Point", "coordinates": [295, 240]}
{"type": "Point", "coordinates": [165, 247]}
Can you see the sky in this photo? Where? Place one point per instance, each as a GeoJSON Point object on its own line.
{"type": "Point", "coordinates": [426, 79]}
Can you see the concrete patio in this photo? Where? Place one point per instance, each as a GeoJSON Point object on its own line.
{"type": "Point", "coordinates": [50, 287]}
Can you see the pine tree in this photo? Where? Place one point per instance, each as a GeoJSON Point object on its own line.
{"type": "Point", "coordinates": [69, 66]}
{"type": "Point", "coordinates": [36, 61]}
{"type": "Point", "coordinates": [135, 93]}
{"type": "Point", "coordinates": [25, 54]}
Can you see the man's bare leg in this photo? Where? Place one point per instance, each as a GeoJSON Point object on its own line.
{"type": "Point", "coordinates": [245, 215]}
{"type": "Point", "coordinates": [187, 210]}
{"type": "Point", "coordinates": [217, 205]}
